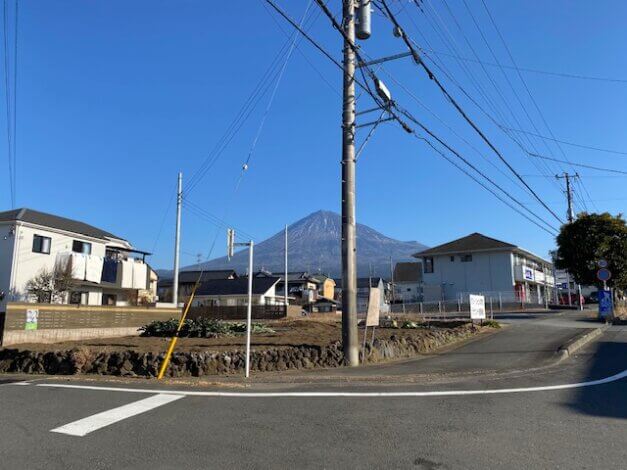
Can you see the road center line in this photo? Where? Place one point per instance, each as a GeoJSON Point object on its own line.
{"type": "Point", "coordinates": [84, 426]}
{"type": "Point", "coordinates": [444, 393]}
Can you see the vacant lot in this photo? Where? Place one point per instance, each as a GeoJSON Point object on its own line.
{"type": "Point", "coordinates": [287, 333]}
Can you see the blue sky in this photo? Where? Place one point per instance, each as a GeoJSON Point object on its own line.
{"type": "Point", "coordinates": [114, 98]}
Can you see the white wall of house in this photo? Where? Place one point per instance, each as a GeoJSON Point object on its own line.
{"type": "Point", "coordinates": [19, 263]}
{"type": "Point", "coordinates": [7, 246]}
{"type": "Point", "coordinates": [489, 271]}
{"type": "Point", "coordinates": [408, 292]}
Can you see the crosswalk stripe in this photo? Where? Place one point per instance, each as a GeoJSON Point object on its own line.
{"type": "Point", "coordinates": [84, 426]}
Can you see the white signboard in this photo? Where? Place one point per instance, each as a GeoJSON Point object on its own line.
{"type": "Point", "coordinates": [372, 319]}
{"type": "Point", "coordinates": [477, 307]}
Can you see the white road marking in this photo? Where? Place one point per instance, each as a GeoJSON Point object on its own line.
{"type": "Point", "coordinates": [84, 426]}
{"type": "Point", "coordinates": [445, 393]}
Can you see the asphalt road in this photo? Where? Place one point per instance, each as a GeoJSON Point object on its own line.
{"type": "Point", "coordinates": [582, 426]}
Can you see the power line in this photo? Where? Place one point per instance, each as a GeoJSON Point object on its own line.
{"type": "Point", "coordinates": [531, 70]}
{"type": "Point", "coordinates": [464, 115]}
{"type": "Point", "coordinates": [468, 163]}
{"type": "Point", "coordinates": [9, 106]}
{"type": "Point", "coordinates": [511, 86]}
{"type": "Point", "coordinates": [249, 105]}
{"type": "Point", "coordinates": [610, 170]}
{"type": "Point", "coordinates": [533, 100]}
{"type": "Point", "coordinates": [211, 218]}
{"type": "Point", "coordinates": [439, 152]}
{"type": "Point", "coordinates": [588, 147]}
{"type": "Point", "coordinates": [404, 112]}
{"type": "Point", "coordinates": [276, 86]}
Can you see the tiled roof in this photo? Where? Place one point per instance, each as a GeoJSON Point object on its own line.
{"type": "Point", "coordinates": [54, 221]}
{"type": "Point", "coordinates": [473, 242]}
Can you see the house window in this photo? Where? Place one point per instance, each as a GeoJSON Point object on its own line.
{"type": "Point", "coordinates": [466, 258]}
{"type": "Point", "coordinates": [41, 244]}
{"type": "Point", "coordinates": [76, 297]}
{"type": "Point", "coordinates": [81, 247]}
{"type": "Point", "coordinates": [452, 259]}
{"type": "Point", "coordinates": [429, 265]}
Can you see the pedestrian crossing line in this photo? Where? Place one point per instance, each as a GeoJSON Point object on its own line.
{"type": "Point", "coordinates": [84, 426]}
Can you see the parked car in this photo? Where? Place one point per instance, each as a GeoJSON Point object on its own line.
{"type": "Point", "coordinates": [574, 299]}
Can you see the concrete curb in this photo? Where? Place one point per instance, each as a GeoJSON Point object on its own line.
{"type": "Point", "coordinates": [574, 344]}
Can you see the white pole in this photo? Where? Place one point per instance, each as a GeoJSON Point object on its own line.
{"type": "Point", "coordinates": [177, 240]}
{"type": "Point", "coordinates": [249, 313]}
{"type": "Point", "coordinates": [580, 299]}
{"type": "Point", "coordinates": [286, 300]}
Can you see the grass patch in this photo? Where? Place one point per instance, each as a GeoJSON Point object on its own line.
{"type": "Point", "coordinates": [491, 324]}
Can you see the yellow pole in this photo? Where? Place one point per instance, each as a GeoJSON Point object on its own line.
{"type": "Point", "coordinates": [168, 354]}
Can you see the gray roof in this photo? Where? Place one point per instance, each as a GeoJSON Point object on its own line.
{"type": "Point", "coordinates": [238, 286]}
{"type": "Point", "coordinates": [190, 277]}
{"type": "Point", "coordinates": [54, 221]}
{"type": "Point", "coordinates": [473, 242]}
{"type": "Point", "coordinates": [363, 282]}
{"type": "Point", "coordinates": [408, 272]}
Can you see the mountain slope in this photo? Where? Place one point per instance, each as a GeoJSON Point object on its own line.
{"type": "Point", "coordinates": [314, 246]}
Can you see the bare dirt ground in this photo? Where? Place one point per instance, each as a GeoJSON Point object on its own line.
{"type": "Point", "coordinates": [315, 332]}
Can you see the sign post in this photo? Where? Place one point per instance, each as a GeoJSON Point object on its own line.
{"type": "Point", "coordinates": [477, 307]}
{"type": "Point", "coordinates": [606, 302]}
{"type": "Point", "coordinates": [372, 317]}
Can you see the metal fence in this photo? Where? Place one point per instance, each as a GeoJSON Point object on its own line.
{"type": "Point", "coordinates": [460, 308]}
{"type": "Point", "coordinates": [238, 312]}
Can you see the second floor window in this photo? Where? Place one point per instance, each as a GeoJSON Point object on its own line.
{"type": "Point", "coordinates": [466, 258]}
{"type": "Point", "coordinates": [81, 247]}
{"type": "Point", "coordinates": [41, 244]}
{"type": "Point", "coordinates": [428, 265]}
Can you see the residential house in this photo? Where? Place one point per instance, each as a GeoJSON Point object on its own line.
{"type": "Point", "coordinates": [234, 292]}
{"type": "Point", "coordinates": [300, 286]}
{"type": "Point", "coordinates": [480, 264]}
{"type": "Point", "coordinates": [326, 286]}
{"type": "Point", "coordinates": [187, 280]}
{"type": "Point", "coordinates": [101, 268]}
{"type": "Point", "coordinates": [364, 287]}
{"type": "Point", "coordinates": [407, 283]}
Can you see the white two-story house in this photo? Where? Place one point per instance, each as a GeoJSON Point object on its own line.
{"type": "Point", "coordinates": [104, 268]}
{"type": "Point", "coordinates": [480, 264]}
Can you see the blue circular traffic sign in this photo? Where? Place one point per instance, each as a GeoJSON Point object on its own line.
{"type": "Point", "coordinates": [604, 274]}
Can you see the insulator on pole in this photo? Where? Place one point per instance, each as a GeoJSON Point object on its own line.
{"type": "Point", "coordinates": [364, 13]}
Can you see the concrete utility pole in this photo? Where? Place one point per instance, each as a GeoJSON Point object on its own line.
{"type": "Point", "coordinates": [177, 239]}
{"type": "Point", "coordinates": [569, 194]}
{"type": "Point", "coordinates": [349, 265]}
{"type": "Point", "coordinates": [286, 293]}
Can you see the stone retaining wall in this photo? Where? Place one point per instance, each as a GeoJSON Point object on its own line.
{"type": "Point", "coordinates": [132, 363]}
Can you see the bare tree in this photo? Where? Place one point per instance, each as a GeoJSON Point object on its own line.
{"type": "Point", "coordinates": [41, 286]}
{"type": "Point", "coordinates": [48, 286]}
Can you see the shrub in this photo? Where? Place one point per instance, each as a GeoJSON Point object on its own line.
{"type": "Point", "coordinates": [491, 323]}
{"type": "Point", "coordinates": [199, 328]}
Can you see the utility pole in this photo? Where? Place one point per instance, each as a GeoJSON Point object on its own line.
{"type": "Point", "coordinates": [349, 265]}
{"type": "Point", "coordinates": [230, 244]}
{"type": "Point", "coordinates": [177, 239]}
{"type": "Point", "coordinates": [569, 194]}
{"type": "Point", "coordinates": [286, 284]}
